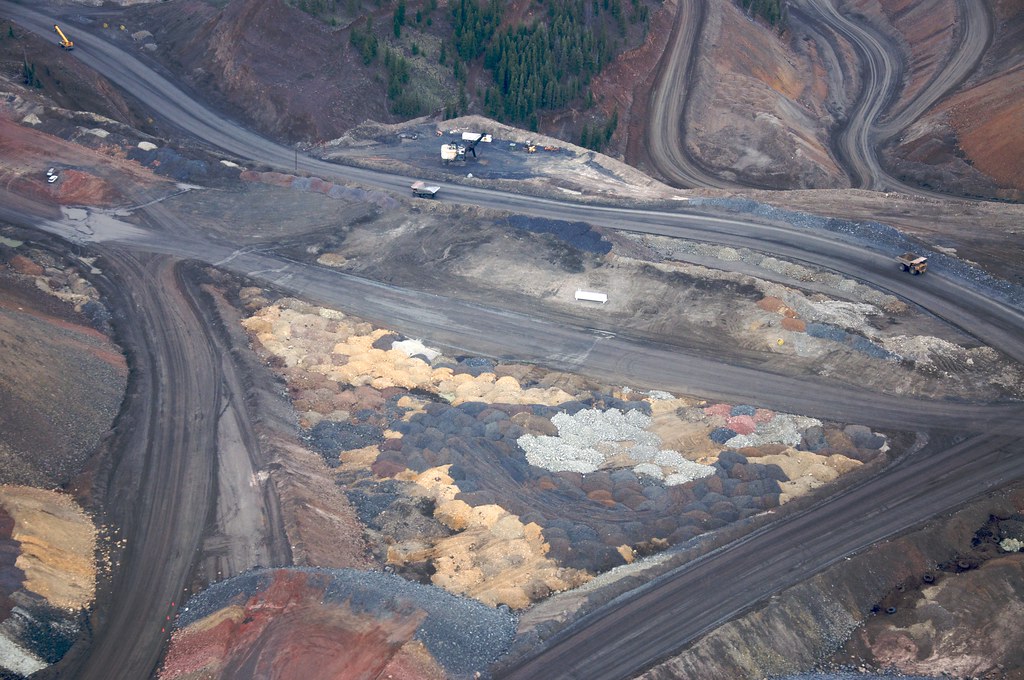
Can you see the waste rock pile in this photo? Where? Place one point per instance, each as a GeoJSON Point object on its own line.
{"type": "Point", "coordinates": [506, 482]}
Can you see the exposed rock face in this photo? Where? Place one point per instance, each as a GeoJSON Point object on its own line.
{"type": "Point", "coordinates": [287, 632]}
{"type": "Point", "coordinates": [47, 576]}
{"type": "Point", "coordinates": [968, 142]}
{"type": "Point", "coordinates": [57, 545]}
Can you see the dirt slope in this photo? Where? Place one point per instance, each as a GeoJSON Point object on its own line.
{"type": "Point", "coordinates": [292, 75]}
{"type": "Point", "coordinates": [62, 380]}
{"type": "Point", "coordinates": [757, 112]}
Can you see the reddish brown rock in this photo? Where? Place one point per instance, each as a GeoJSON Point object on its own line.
{"type": "Point", "coordinates": [23, 265]}
{"type": "Point", "coordinates": [795, 325]}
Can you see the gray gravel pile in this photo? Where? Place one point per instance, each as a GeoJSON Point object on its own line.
{"type": "Point", "coordinates": [878, 236]}
{"type": "Point", "coordinates": [678, 249]}
{"type": "Point", "coordinates": [585, 517]}
{"type": "Point", "coordinates": [856, 675]}
{"type": "Point", "coordinates": [371, 499]}
{"type": "Point", "coordinates": [464, 635]}
{"type": "Point", "coordinates": [784, 428]}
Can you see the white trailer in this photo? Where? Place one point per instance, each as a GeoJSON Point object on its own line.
{"type": "Point", "coordinates": [591, 296]}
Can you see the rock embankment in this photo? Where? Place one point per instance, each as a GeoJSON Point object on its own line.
{"type": "Point", "coordinates": [333, 623]}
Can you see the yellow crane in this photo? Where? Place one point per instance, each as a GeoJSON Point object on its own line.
{"type": "Point", "coordinates": [64, 42]}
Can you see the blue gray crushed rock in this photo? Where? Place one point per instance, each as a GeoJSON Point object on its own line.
{"type": "Point", "coordinates": [463, 635]}
{"type": "Point", "coordinates": [854, 341]}
{"type": "Point", "coordinates": [577, 234]}
{"type": "Point", "coordinates": [880, 236]}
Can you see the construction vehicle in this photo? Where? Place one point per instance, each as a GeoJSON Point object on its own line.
{"type": "Point", "coordinates": [64, 42]}
{"type": "Point", "coordinates": [913, 263]}
{"type": "Point", "coordinates": [472, 139]}
{"type": "Point", "coordinates": [457, 152]}
{"type": "Point", "coordinates": [449, 153]}
{"type": "Point", "coordinates": [422, 190]}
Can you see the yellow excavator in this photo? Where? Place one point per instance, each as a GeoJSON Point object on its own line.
{"type": "Point", "coordinates": [64, 42]}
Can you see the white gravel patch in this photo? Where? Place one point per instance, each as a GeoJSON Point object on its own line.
{"type": "Point", "coordinates": [921, 348]}
{"type": "Point", "coordinates": [414, 347]}
{"type": "Point", "coordinates": [589, 438]}
{"type": "Point", "coordinates": [147, 146]}
{"type": "Point", "coordinates": [14, 657]}
{"type": "Point", "coordinates": [687, 472]}
{"type": "Point", "coordinates": [848, 315]}
{"type": "Point", "coordinates": [650, 470]}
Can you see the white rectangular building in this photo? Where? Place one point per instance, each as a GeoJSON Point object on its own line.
{"type": "Point", "coordinates": [591, 296]}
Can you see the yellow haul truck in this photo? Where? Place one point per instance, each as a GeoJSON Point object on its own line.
{"type": "Point", "coordinates": [913, 263]}
{"type": "Point", "coordinates": [64, 42]}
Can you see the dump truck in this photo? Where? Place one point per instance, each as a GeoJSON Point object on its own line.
{"type": "Point", "coordinates": [913, 263]}
{"type": "Point", "coordinates": [64, 42]}
{"type": "Point", "coordinates": [422, 190]}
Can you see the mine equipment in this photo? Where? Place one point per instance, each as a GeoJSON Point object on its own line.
{"type": "Point", "coordinates": [64, 42]}
{"type": "Point", "coordinates": [913, 263]}
{"type": "Point", "coordinates": [422, 190]}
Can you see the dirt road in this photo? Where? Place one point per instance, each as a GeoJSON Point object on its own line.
{"type": "Point", "coordinates": [160, 471]}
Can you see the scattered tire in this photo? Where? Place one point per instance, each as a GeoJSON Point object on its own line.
{"type": "Point", "coordinates": [963, 565]}
{"type": "Point", "coordinates": [890, 610]}
{"type": "Point", "coordinates": [928, 578]}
